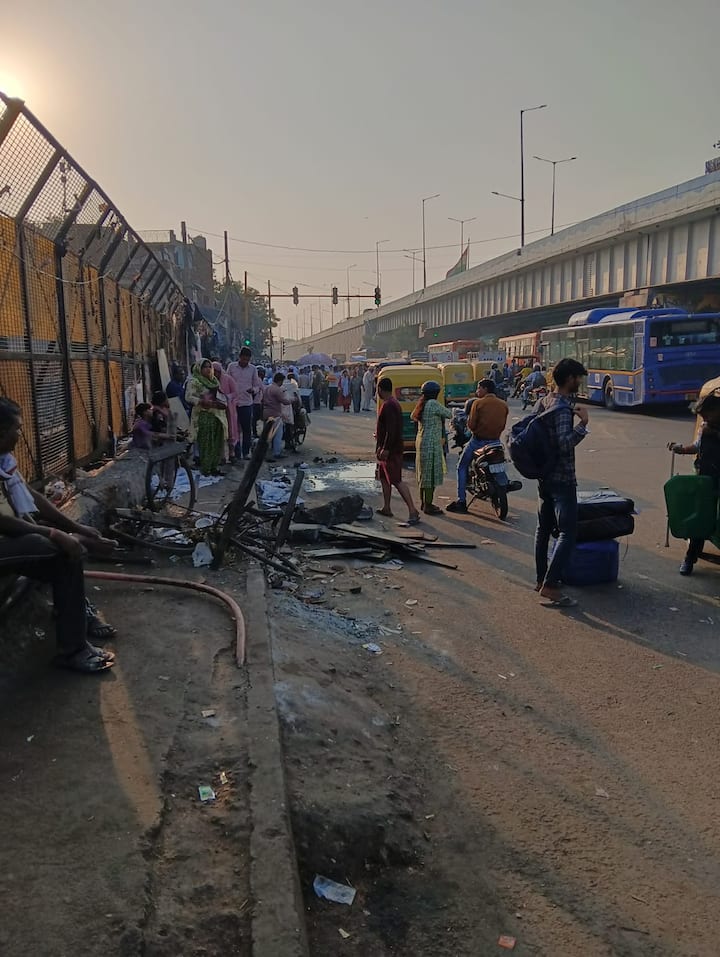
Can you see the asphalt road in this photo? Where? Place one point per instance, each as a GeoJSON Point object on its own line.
{"type": "Point", "coordinates": [578, 748]}
{"type": "Point", "coordinates": [625, 452]}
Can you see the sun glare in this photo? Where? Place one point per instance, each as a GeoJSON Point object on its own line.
{"type": "Point", "coordinates": [12, 85]}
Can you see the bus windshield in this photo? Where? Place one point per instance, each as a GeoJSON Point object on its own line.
{"type": "Point", "coordinates": [678, 333]}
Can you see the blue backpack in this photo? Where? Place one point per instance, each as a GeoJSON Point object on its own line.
{"type": "Point", "coordinates": [531, 448]}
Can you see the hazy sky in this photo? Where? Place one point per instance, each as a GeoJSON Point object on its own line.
{"type": "Point", "coordinates": [322, 124]}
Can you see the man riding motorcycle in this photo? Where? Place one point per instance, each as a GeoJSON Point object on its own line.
{"type": "Point", "coordinates": [486, 421]}
{"type": "Point", "coordinates": [536, 380]}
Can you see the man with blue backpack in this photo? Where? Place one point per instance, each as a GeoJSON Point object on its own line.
{"type": "Point", "coordinates": [542, 447]}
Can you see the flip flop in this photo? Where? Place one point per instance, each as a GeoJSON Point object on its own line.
{"type": "Point", "coordinates": [85, 661]}
{"type": "Point", "coordinates": [413, 520]}
{"type": "Point", "coordinates": [381, 511]}
{"type": "Point", "coordinates": [565, 602]}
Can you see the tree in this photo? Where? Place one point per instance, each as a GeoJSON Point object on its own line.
{"type": "Point", "coordinates": [249, 320]}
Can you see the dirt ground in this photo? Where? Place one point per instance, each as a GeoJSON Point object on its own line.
{"type": "Point", "coordinates": [105, 847]}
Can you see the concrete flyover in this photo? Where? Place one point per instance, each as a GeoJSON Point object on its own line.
{"type": "Point", "coordinates": [664, 247]}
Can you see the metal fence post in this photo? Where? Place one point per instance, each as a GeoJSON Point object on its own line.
{"type": "Point", "coordinates": [64, 341]}
{"type": "Point", "coordinates": [25, 295]}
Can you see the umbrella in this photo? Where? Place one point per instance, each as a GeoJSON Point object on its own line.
{"type": "Point", "coordinates": [315, 359]}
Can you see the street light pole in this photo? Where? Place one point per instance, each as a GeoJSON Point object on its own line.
{"type": "Point", "coordinates": [377, 257]}
{"type": "Point", "coordinates": [462, 225]}
{"type": "Point", "coordinates": [347, 271]}
{"type": "Point", "coordinates": [413, 254]}
{"type": "Point", "coordinates": [554, 163]}
{"type": "Point", "coordinates": [425, 200]}
{"type": "Point", "coordinates": [530, 109]}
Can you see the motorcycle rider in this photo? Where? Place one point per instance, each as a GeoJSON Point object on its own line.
{"type": "Point", "coordinates": [536, 380]}
{"type": "Point", "coordinates": [487, 418]}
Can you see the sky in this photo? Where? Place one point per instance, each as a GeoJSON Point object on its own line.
{"type": "Point", "coordinates": [321, 125]}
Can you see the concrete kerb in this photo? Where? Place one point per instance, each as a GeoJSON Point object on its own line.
{"type": "Point", "coordinates": [278, 921]}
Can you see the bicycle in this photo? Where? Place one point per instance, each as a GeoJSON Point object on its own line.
{"type": "Point", "coordinates": [166, 464]}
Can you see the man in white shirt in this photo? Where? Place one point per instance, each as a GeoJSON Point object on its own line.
{"type": "Point", "coordinates": [249, 386]}
{"type": "Point", "coordinates": [367, 390]}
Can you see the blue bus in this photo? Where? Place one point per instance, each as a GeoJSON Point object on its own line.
{"type": "Point", "coordinates": [638, 357]}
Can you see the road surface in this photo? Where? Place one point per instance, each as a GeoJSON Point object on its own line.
{"type": "Point", "coordinates": [575, 752]}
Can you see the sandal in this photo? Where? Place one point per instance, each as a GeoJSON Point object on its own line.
{"type": "Point", "coordinates": [85, 661]}
{"type": "Point", "coordinates": [565, 601]}
{"type": "Point", "coordinates": [432, 510]}
{"type": "Point", "coordinates": [414, 519]}
{"type": "Point", "coordinates": [387, 514]}
{"type": "Point", "coordinates": [97, 627]}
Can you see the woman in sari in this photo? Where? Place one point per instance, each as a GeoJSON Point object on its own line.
{"type": "Point", "coordinates": [229, 390]}
{"type": "Point", "coordinates": [208, 422]}
{"type": "Point", "coordinates": [344, 390]}
{"type": "Point", "coordinates": [429, 455]}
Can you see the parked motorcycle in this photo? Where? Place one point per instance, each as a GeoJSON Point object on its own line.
{"type": "Point", "coordinates": [488, 479]}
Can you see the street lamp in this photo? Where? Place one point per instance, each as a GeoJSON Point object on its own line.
{"type": "Point", "coordinates": [462, 226]}
{"type": "Point", "coordinates": [554, 163]}
{"type": "Point", "coordinates": [377, 257]}
{"type": "Point", "coordinates": [530, 109]}
{"type": "Point", "coordinates": [426, 200]}
{"type": "Point", "coordinates": [413, 254]}
{"type": "Point", "coordinates": [347, 272]}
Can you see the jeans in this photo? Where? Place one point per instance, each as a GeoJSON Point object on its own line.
{"type": "Point", "coordinates": [332, 396]}
{"type": "Point", "coordinates": [257, 417]}
{"type": "Point", "coordinates": [316, 399]}
{"type": "Point", "coordinates": [277, 437]}
{"type": "Point", "coordinates": [245, 428]}
{"type": "Point", "coordinates": [466, 457]}
{"type": "Point", "coordinates": [558, 508]}
{"type": "Point", "coordinates": [35, 556]}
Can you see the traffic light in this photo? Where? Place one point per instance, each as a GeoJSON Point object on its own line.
{"type": "Point", "coordinates": [296, 297]}
{"type": "Point", "coordinates": [378, 297]}
{"type": "Point", "coordinates": [334, 296]}
{"type": "Point", "coordinates": [246, 340]}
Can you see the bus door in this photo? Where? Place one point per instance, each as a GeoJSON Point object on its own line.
{"type": "Point", "coordinates": [638, 381]}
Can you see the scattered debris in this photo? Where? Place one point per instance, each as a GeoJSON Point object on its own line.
{"type": "Point", "coordinates": [343, 933]}
{"type": "Point", "coordinates": [202, 555]}
{"type": "Point", "coordinates": [208, 713]}
{"type": "Point", "coordinates": [372, 648]}
{"type": "Point", "coordinates": [332, 891]}
{"type": "Point", "coordinates": [344, 509]}
{"type": "Point", "coordinates": [601, 792]}
{"type": "Point", "coordinates": [411, 601]}
{"type": "Point", "coordinates": [672, 608]}
{"type": "Point", "coordinates": [206, 793]}
{"type": "Point", "coordinates": [223, 778]}
{"type": "Point", "coordinates": [640, 899]}
{"type": "Point", "coordinates": [164, 677]}
{"type": "Point", "coordinates": [506, 942]}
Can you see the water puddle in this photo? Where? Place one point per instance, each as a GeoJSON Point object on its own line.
{"type": "Point", "coordinates": [353, 477]}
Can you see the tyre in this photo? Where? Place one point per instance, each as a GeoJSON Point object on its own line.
{"type": "Point", "coordinates": [500, 503]}
{"type": "Point", "coordinates": [161, 478]}
{"type": "Point", "coordinates": [609, 396]}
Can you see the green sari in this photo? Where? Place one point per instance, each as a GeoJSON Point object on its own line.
{"type": "Point", "coordinates": [208, 427]}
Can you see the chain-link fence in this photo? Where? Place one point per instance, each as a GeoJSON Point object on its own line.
{"type": "Point", "coordinates": [84, 304]}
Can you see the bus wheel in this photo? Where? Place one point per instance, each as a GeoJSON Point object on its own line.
{"type": "Point", "coordinates": [609, 395]}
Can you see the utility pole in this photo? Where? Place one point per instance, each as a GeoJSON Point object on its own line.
{"type": "Point", "coordinates": [247, 310]}
{"type": "Point", "coordinates": [183, 234]}
{"type": "Point", "coordinates": [270, 331]}
{"type": "Point", "coordinates": [227, 260]}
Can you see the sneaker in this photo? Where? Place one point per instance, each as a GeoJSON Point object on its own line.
{"type": "Point", "coordinates": [686, 568]}
{"type": "Point", "coordinates": [458, 506]}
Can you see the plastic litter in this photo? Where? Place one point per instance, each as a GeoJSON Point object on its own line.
{"type": "Point", "coordinates": [208, 713]}
{"type": "Point", "coordinates": [202, 555]}
{"type": "Point", "coordinates": [507, 942]}
{"type": "Point", "coordinates": [223, 778]}
{"type": "Point", "coordinates": [332, 891]}
{"type": "Point", "coordinates": [372, 648]}
{"type": "Point", "coordinates": [206, 793]}
{"type": "Point", "coordinates": [411, 601]}
{"type": "Point", "coordinates": [204, 522]}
